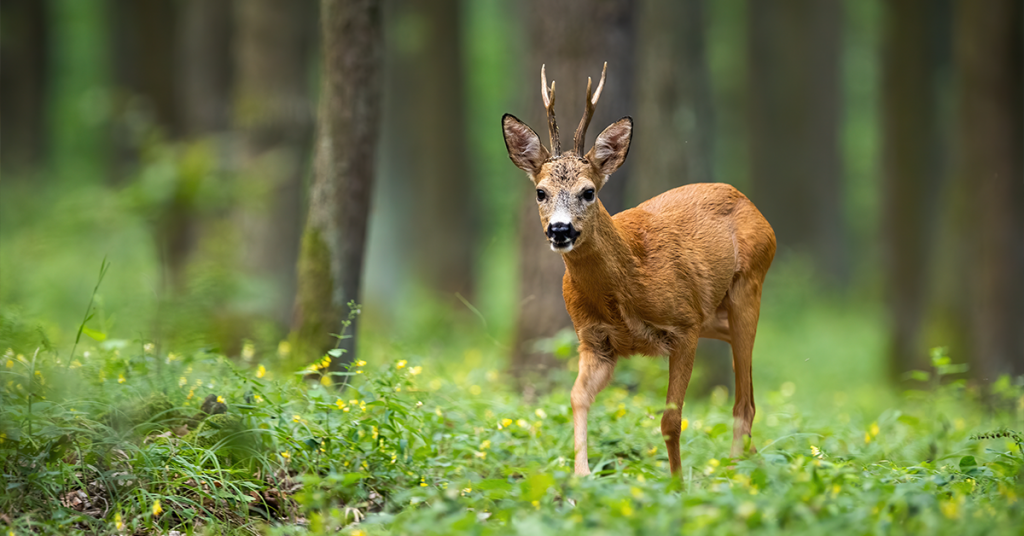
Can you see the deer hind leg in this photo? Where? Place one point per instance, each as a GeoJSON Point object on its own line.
{"type": "Point", "coordinates": [744, 306]}
{"type": "Point", "coordinates": [595, 373]}
{"type": "Point", "coordinates": [680, 366]}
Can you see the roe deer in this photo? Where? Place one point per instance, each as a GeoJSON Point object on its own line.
{"type": "Point", "coordinates": [650, 280]}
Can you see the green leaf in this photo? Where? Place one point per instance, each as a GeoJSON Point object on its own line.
{"type": "Point", "coordinates": [97, 336]}
{"type": "Point", "coordinates": [967, 461]}
{"type": "Point", "coordinates": [536, 486]}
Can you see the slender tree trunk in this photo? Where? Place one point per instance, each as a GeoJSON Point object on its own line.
{"type": "Point", "coordinates": [204, 66]}
{"type": "Point", "coordinates": [333, 243]}
{"type": "Point", "coordinates": [573, 38]}
{"type": "Point", "coordinates": [24, 57]}
{"type": "Point", "coordinates": [431, 82]}
{"type": "Point", "coordinates": [990, 73]}
{"type": "Point", "coordinates": [273, 117]}
{"type": "Point", "coordinates": [912, 173]}
{"type": "Point", "coordinates": [795, 118]}
{"type": "Point", "coordinates": [675, 126]}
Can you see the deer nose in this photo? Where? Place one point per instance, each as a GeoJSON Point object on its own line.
{"type": "Point", "coordinates": [561, 232]}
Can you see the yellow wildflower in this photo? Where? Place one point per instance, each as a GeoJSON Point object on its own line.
{"type": "Point", "coordinates": [340, 403]}
{"type": "Point", "coordinates": [867, 437]}
{"type": "Point", "coordinates": [506, 422]}
{"type": "Point", "coordinates": [10, 363]}
{"type": "Point", "coordinates": [157, 509]}
{"type": "Point", "coordinates": [220, 399]}
{"type": "Point", "coordinates": [248, 351]}
{"type": "Point", "coordinates": [258, 398]}
{"type": "Point", "coordinates": [415, 370]}
{"type": "Point", "coordinates": [401, 363]}
{"type": "Point", "coordinates": [684, 425]}
{"type": "Point", "coordinates": [296, 418]}
{"type": "Point", "coordinates": [467, 491]}
{"type": "Point", "coordinates": [398, 388]}
{"type": "Point", "coordinates": [360, 363]}
{"type": "Point", "coordinates": [485, 445]}
{"type": "Point", "coordinates": [182, 381]}
{"type": "Point", "coordinates": [522, 423]}
{"type": "Point", "coordinates": [540, 413]}
{"type": "Point", "coordinates": [191, 393]}
{"type": "Point", "coordinates": [118, 522]}
{"type": "Point", "coordinates": [480, 454]}
{"type": "Point", "coordinates": [627, 510]}
{"type": "Point", "coordinates": [874, 429]}
{"type": "Point", "coordinates": [359, 532]}
{"type": "Point", "coordinates": [536, 504]}
{"type": "Point", "coordinates": [326, 381]}
{"type": "Point", "coordinates": [286, 455]}
{"type": "Point", "coordinates": [284, 348]}
{"type": "Point", "coordinates": [423, 483]}
{"type": "Point", "coordinates": [816, 452]}
{"type": "Point", "coordinates": [120, 378]}
{"type": "Point", "coordinates": [261, 371]}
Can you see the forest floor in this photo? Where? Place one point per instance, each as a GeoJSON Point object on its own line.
{"type": "Point", "coordinates": [128, 438]}
{"type": "Point", "coordinates": [126, 433]}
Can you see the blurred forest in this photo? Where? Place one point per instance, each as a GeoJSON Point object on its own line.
{"type": "Point", "coordinates": [195, 143]}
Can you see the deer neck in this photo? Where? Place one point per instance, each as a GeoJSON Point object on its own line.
{"type": "Point", "coordinates": [602, 264]}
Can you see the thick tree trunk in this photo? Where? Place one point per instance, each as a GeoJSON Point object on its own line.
{"type": "Point", "coordinates": [912, 172]}
{"type": "Point", "coordinates": [333, 243]}
{"type": "Point", "coordinates": [573, 38]}
{"type": "Point", "coordinates": [990, 73]}
{"type": "Point", "coordinates": [795, 97]}
{"type": "Point", "coordinates": [273, 117]}
{"type": "Point", "coordinates": [24, 58]}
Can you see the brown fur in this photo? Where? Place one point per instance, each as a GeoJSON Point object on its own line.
{"type": "Point", "coordinates": [651, 280]}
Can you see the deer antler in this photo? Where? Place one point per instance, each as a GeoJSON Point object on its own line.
{"type": "Point", "coordinates": [581, 131]}
{"type": "Point", "coordinates": [549, 105]}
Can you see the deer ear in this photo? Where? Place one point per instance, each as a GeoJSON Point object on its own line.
{"type": "Point", "coordinates": [523, 144]}
{"type": "Point", "coordinates": [611, 147]}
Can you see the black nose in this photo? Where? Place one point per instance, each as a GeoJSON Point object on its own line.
{"type": "Point", "coordinates": [561, 232]}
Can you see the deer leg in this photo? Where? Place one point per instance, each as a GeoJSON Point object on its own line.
{"type": "Point", "coordinates": [595, 373]}
{"type": "Point", "coordinates": [680, 367]}
{"type": "Point", "coordinates": [744, 307]}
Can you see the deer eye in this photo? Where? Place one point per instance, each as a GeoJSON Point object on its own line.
{"type": "Point", "coordinates": [541, 195]}
{"type": "Point", "coordinates": [588, 195]}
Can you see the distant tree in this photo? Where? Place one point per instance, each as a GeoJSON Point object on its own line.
{"type": "Point", "coordinates": [795, 96]}
{"type": "Point", "coordinates": [573, 38]}
{"type": "Point", "coordinates": [334, 239]}
{"type": "Point", "coordinates": [913, 170]}
{"type": "Point", "coordinates": [24, 55]}
{"type": "Point", "coordinates": [989, 52]}
{"type": "Point", "coordinates": [675, 125]}
{"type": "Point", "coordinates": [273, 119]}
{"type": "Point", "coordinates": [430, 82]}
{"type": "Point", "coordinates": [203, 84]}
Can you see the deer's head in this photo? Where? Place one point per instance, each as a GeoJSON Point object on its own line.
{"type": "Point", "coordinates": [567, 183]}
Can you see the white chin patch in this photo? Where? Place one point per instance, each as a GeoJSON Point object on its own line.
{"type": "Point", "coordinates": [561, 249]}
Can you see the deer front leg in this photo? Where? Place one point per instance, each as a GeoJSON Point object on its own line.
{"type": "Point", "coordinates": [680, 367]}
{"type": "Point", "coordinates": [595, 373]}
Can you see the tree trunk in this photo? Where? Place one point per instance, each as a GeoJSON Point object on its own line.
{"type": "Point", "coordinates": [431, 83]}
{"type": "Point", "coordinates": [796, 167]}
{"type": "Point", "coordinates": [333, 243]}
{"type": "Point", "coordinates": [675, 119]}
{"type": "Point", "coordinates": [273, 117]}
{"type": "Point", "coordinates": [573, 38]}
{"type": "Point", "coordinates": [24, 55]}
{"type": "Point", "coordinates": [672, 145]}
{"type": "Point", "coordinates": [912, 173]}
{"type": "Point", "coordinates": [204, 66]}
{"type": "Point", "coordinates": [990, 107]}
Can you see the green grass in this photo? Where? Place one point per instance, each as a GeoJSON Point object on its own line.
{"type": "Point", "coordinates": [430, 439]}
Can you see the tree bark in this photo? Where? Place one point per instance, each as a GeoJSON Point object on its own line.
{"type": "Point", "coordinates": [204, 67]}
{"type": "Point", "coordinates": [675, 118]}
{"type": "Point", "coordinates": [333, 243]}
{"type": "Point", "coordinates": [430, 81]}
{"type": "Point", "coordinates": [273, 118]}
{"type": "Point", "coordinates": [990, 109]}
{"type": "Point", "coordinates": [573, 38]}
{"type": "Point", "coordinates": [795, 95]}
{"type": "Point", "coordinates": [24, 55]}
{"type": "Point", "coordinates": [912, 173]}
